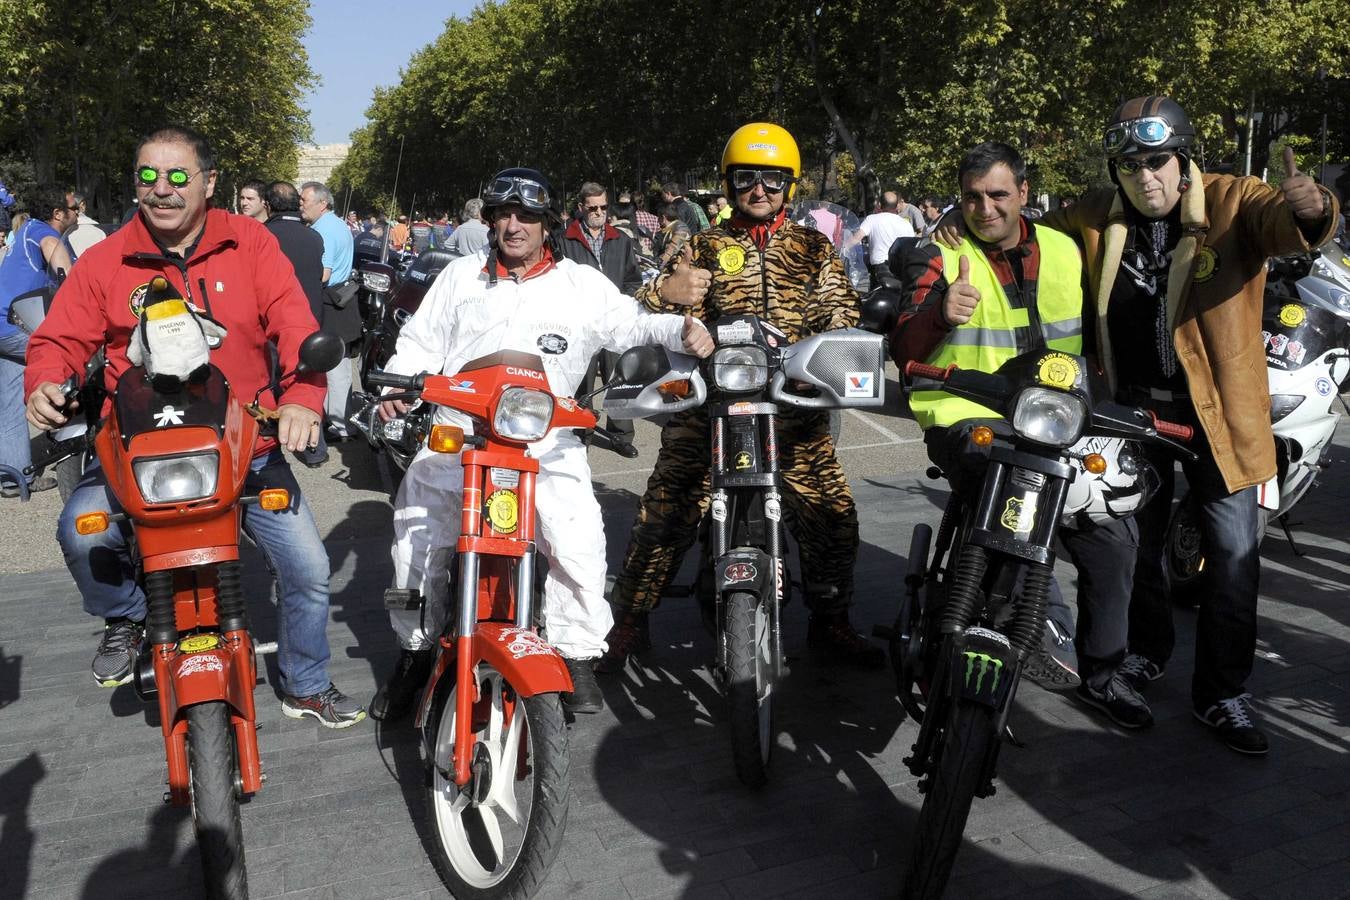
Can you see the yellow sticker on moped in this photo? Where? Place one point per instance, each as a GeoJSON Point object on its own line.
{"type": "Point", "coordinates": [1057, 370]}
{"type": "Point", "coordinates": [199, 643]}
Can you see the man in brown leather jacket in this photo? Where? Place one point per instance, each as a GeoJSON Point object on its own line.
{"type": "Point", "coordinates": [1177, 268]}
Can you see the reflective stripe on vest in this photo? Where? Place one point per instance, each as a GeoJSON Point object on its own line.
{"type": "Point", "coordinates": [998, 332]}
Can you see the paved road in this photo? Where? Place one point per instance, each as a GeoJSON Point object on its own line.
{"type": "Point", "coordinates": [1082, 810]}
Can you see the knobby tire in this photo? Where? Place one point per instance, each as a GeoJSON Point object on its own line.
{"type": "Point", "coordinates": [952, 786]}
{"type": "Point", "coordinates": [750, 753]}
{"type": "Point", "coordinates": [215, 805]}
{"type": "Point", "coordinates": [549, 759]}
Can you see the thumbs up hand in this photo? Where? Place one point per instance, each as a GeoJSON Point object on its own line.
{"type": "Point", "coordinates": [688, 284]}
{"type": "Point", "coordinates": [962, 296]}
{"type": "Point", "coordinates": [1301, 193]}
{"type": "Point", "coordinates": [695, 336]}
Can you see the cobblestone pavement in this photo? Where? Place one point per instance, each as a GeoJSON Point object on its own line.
{"type": "Point", "coordinates": [1082, 810]}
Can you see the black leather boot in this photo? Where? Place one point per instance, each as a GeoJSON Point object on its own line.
{"type": "Point", "coordinates": [399, 693]}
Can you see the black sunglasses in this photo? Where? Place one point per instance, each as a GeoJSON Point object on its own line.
{"type": "Point", "coordinates": [1152, 163]}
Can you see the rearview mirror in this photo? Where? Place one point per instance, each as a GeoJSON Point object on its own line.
{"type": "Point", "coordinates": [639, 365]}
{"type": "Point", "coordinates": [321, 352]}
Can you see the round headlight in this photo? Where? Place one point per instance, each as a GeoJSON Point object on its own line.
{"type": "Point", "coordinates": [523, 414]}
{"type": "Point", "coordinates": [740, 369]}
{"type": "Point", "coordinates": [1049, 417]}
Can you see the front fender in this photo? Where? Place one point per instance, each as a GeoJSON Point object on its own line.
{"type": "Point", "coordinates": [745, 569]}
{"type": "Point", "coordinates": [530, 664]}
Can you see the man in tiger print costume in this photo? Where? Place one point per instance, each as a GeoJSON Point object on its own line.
{"type": "Point", "coordinates": [756, 263]}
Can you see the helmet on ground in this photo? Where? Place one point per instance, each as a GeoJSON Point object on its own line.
{"type": "Point", "coordinates": [761, 145]}
{"type": "Point", "coordinates": [527, 187]}
{"type": "Point", "coordinates": [1127, 483]}
{"type": "Point", "coordinates": [1148, 125]}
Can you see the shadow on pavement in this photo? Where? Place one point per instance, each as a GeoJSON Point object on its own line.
{"type": "Point", "coordinates": [150, 869]}
{"type": "Point", "coordinates": [17, 785]}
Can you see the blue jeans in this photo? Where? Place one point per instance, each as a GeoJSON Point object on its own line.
{"type": "Point", "coordinates": [105, 572]}
{"type": "Point", "coordinates": [15, 449]}
{"type": "Point", "coordinates": [1230, 528]}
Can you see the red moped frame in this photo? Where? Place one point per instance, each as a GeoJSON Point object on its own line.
{"type": "Point", "coordinates": [494, 601]}
{"type": "Point", "coordinates": [201, 649]}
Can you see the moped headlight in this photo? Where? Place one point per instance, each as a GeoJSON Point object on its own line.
{"type": "Point", "coordinates": [740, 369]}
{"type": "Point", "coordinates": [1049, 417]}
{"type": "Point", "coordinates": [377, 282]}
{"type": "Point", "coordinates": [523, 414]}
{"type": "Point", "coordinates": [173, 479]}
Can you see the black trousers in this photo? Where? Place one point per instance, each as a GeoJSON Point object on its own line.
{"type": "Point", "coordinates": [1103, 553]}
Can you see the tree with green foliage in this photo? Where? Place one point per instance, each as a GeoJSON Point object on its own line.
{"type": "Point", "coordinates": [82, 80]}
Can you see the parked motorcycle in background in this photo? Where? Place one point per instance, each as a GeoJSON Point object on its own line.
{"type": "Point", "coordinates": [1306, 327]}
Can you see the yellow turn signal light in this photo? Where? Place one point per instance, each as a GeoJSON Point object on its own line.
{"type": "Point", "coordinates": [678, 389]}
{"type": "Point", "coordinates": [91, 523]}
{"type": "Point", "coordinates": [1095, 463]}
{"type": "Point", "coordinates": [445, 439]}
{"type": "Point", "coordinates": [274, 499]}
{"type": "Point", "coordinates": [982, 435]}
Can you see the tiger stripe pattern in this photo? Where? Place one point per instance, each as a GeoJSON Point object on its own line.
{"type": "Point", "coordinates": [797, 283]}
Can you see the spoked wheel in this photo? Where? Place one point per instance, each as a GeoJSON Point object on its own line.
{"type": "Point", "coordinates": [750, 686]}
{"type": "Point", "coordinates": [952, 785]}
{"type": "Point", "coordinates": [215, 804]}
{"type": "Point", "coordinates": [498, 836]}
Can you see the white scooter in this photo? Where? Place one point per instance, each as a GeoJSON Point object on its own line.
{"type": "Point", "coordinates": [1307, 333]}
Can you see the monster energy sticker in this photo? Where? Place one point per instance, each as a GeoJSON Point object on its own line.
{"type": "Point", "coordinates": [981, 665]}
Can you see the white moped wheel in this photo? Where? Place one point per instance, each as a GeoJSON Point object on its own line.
{"type": "Point", "coordinates": [498, 836]}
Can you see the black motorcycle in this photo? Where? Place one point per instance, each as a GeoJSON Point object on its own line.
{"type": "Point", "coordinates": [743, 580]}
{"type": "Point", "coordinates": [964, 631]}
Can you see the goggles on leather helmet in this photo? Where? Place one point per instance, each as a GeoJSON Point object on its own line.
{"type": "Point", "coordinates": [1150, 131]}
{"type": "Point", "coordinates": [528, 193]}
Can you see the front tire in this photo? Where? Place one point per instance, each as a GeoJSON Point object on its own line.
{"type": "Point", "coordinates": [750, 687]}
{"type": "Point", "coordinates": [68, 473]}
{"type": "Point", "coordinates": [215, 805]}
{"type": "Point", "coordinates": [503, 845]}
{"type": "Point", "coordinates": [952, 786]}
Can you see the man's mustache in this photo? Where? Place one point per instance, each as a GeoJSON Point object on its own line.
{"type": "Point", "coordinates": [173, 201]}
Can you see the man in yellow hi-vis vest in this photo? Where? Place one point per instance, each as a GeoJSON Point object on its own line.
{"type": "Point", "coordinates": [1009, 288]}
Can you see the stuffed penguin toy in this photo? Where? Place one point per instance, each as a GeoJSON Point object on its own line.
{"type": "Point", "coordinates": [172, 340]}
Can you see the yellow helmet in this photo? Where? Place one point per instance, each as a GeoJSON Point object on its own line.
{"type": "Point", "coordinates": [761, 145]}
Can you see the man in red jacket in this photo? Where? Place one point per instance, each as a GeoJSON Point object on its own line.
{"type": "Point", "coordinates": [230, 268]}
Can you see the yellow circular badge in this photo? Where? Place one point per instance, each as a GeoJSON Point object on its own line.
{"type": "Point", "coordinates": [731, 260]}
{"type": "Point", "coordinates": [1206, 262]}
{"type": "Point", "coordinates": [503, 511]}
{"type": "Point", "coordinates": [1058, 370]}
{"type": "Point", "coordinates": [1292, 315]}
{"type": "Point", "coordinates": [199, 642]}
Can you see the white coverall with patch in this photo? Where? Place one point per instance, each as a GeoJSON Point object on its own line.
{"type": "Point", "coordinates": [563, 316]}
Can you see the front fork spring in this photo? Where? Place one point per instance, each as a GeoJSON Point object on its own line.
{"type": "Point", "coordinates": [160, 623]}
{"type": "Point", "coordinates": [962, 597]}
{"type": "Point", "coordinates": [1028, 623]}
